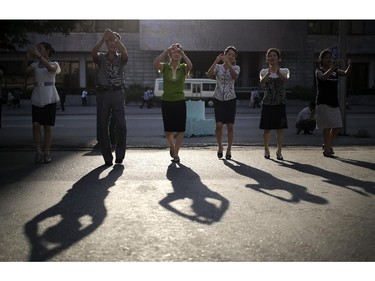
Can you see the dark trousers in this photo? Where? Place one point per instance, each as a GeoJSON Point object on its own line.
{"type": "Point", "coordinates": [108, 103]}
{"type": "Point", "coordinates": [306, 125]}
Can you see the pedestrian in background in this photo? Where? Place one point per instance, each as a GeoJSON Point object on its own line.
{"type": "Point", "coordinates": [84, 97]}
{"type": "Point", "coordinates": [62, 100]}
{"type": "Point", "coordinates": [273, 112]}
{"type": "Point", "coordinates": [306, 119]}
{"type": "Point", "coordinates": [226, 71]}
{"type": "Point", "coordinates": [328, 116]}
{"type": "Point", "coordinates": [44, 96]}
{"type": "Point", "coordinates": [145, 98]}
{"type": "Point", "coordinates": [173, 102]}
{"type": "Point", "coordinates": [111, 94]}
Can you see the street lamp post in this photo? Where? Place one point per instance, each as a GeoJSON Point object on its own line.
{"type": "Point", "coordinates": [342, 80]}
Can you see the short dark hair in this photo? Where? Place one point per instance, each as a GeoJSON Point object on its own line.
{"type": "Point", "coordinates": [277, 51]}
{"type": "Point", "coordinates": [230, 48]}
{"type": "Point", "coordinates": [48, 47]}
{"type": "Point", "coordinates": [323, 54]}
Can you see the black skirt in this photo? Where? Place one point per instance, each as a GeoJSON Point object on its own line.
{"type": "Point", "coordinates": [44, 115]}
{"type": "Point", "coordinates": [174, 115]}
{"type": "Point", "coordinates": [273, 117]}
{"type": "Point", "coordinates": [225, 111]}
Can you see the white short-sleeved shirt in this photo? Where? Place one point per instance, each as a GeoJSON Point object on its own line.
{"type": "Point", "coordinates": [283, 71]}
{"type": "Point", "coordinates": [44, 94]}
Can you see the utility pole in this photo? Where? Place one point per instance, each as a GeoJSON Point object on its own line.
{"type": "Point", "coordinates": [343, 28]}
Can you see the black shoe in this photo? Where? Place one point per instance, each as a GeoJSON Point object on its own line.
{"type": "Point", "coordinates": [119, 161]}
{"type": "Point", "coordinates": [176, 159]}
{"type": "Point", "coordinates": [279, 157]}
{"type": "Point", "coordinates": [228, 156]}
{"type": "Point", "coordinates": [219, 154]}
{"type": "Point", "coordinates": [108, 163]}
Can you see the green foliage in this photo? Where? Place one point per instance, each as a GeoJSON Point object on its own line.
{"type": "Point", "coordinates": [301, 93]}
{"type": "Point", "coordinates": [134, 93]}
{"type": "Point", "coordinates": [13, 33]}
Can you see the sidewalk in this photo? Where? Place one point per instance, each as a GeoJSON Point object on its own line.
{"type": "Point", "coordinates": [293, 107]}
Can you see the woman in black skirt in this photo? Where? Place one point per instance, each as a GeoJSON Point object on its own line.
{"type": "Point", "coordinates": [273, 113]}
{"type": "Point", "coordinates": [173, 98]}
{"type": "Point", "coordinates": [226, 71]}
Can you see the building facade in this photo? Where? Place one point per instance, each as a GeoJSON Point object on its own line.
{"type": "Point", "coordinates": [300, 42]}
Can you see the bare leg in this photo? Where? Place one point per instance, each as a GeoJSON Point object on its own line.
{"type": "Point", "coordinates": [230, 133]}
{"type": "Point", "coordinates": [219, 135]}
{"type": "Point", "coordinates": [328, 136]}
{"type": "Point", "coordinates": [280, 140]}
{"type": "Point", "coordinates": [47, 139]}
{"type": "Point", "coordinates": [170, 139]}
{"type": "Point", "coordinates": [266, 141]}
{"type": "Point", "coordinates": [37, 137]}
{"type": "Point", "coordinates": [179, 141]}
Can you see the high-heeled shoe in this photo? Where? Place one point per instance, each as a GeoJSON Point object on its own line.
{"type": "Point", "coordinates": [219, 154]}
{"type": "Point", "coordinates": [228, 156]}
{"type": "Point", "coordinates": [176, 159]}
{"type": "Point", "coordinates": [279, 156]}
{"type": "Point", "coordinates": [267, 156]}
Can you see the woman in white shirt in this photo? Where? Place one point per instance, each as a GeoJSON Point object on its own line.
{"type": "Point", "coordinates": [224, 96]}
{"type": "Point", "coordinates": [44, 97]}
{"type": "Point", "coordinates": [273, 113]}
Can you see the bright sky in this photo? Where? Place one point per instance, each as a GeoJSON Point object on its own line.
{"type": "Point", "coordinates": [191, 9]}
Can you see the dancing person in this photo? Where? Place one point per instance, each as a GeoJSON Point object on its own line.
{"type": "Point", "coordinates": [111, 94]}
{"type": "Point", "coordinates": [226, 71]}
{"type": "Point", "coordinates": [173, 99]}
{"type": "Point", "coordinates": [44, 97]}
{"type": "Point", "coordinates": [273, 111]}
{"type": "Point", "coordinates": [328, 116]}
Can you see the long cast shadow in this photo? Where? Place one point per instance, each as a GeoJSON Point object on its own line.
{"type": "Point", "coordinates": [267, 182]}
{"type": "Point", "coordinates": [80, 212]}
{"type": "Point", "coordinates": [333, 178]}
{"type": "Point", "coordinates": [187, 184]}
{"type": "Point", "coordinates": [362, 164]}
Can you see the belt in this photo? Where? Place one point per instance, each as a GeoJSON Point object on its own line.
{"type": "Point", "coordinates": [42, 84]}
{"type": "Point", "coordinates": [110, 88]}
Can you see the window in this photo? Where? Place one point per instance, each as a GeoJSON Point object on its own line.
{"type": "Point", "coordinates": [208, 87]}
{"type": "Point", "coordinates": [69, 75]}
{"type": "Point", "coordinates": [323, 27]}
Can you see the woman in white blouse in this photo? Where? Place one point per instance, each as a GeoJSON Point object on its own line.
{"type": "Point", "coordinates": [226, 74]}
{"type": "Point", "coordinates": [273, 113]}
{"type": "Point", "coordinates": [44, 97]}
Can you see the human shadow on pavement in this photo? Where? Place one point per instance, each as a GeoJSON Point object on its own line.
{"type": "Point", "coordinates": [80, 212]}
{"type": "Point", "coordinates": [267, 183]}
{"type": "Point", "coordinates": [207, 206]}
{"type": "Point", "coordinates": [362, 164]}
{"type": "Point", "coordinates": [337, 179]}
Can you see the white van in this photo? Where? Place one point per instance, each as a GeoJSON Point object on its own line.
{"type": "Point", "coordinates": [195, 89]}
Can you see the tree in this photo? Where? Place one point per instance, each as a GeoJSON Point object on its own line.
{"type": "Point", "coordinates": [13, 33]}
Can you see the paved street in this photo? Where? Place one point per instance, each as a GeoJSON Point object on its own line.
{"type": "Point", "coordinates": [306, 208]}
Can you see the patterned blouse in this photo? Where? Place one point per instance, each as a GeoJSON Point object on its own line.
{"type": "Point", "coordinates": [275, 92]}
{"type": "Point", "coordinates": [224, 90]}
{"type": "Point", "coordinates": [110, 73]}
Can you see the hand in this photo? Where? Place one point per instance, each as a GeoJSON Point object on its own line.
{"type": "Point", "coordinates": [220, 58]}
{"type": "Point", "coordinates": [108, 34]}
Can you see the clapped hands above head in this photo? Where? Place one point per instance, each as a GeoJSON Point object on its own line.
{"type": "Point", "coordinates": [109, 35]}
{"type": "Point", "coordinates": [32, 51]}
{"type": "Point", "coordinates": [175, 48]}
